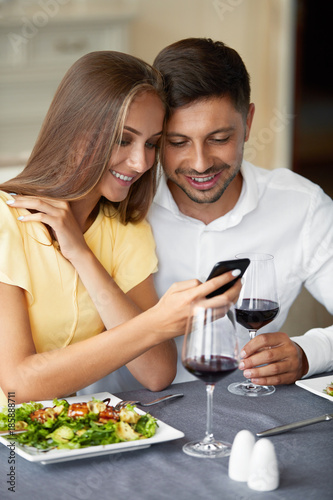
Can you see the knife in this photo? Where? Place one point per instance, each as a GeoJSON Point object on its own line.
{"type": "Point", "coordinates": [295, 425]}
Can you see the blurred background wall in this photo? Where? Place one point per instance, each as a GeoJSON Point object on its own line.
{"type": "Point", "coordinates": [285, 45]}
{"type": "Point", "coordinates": [40, 39]}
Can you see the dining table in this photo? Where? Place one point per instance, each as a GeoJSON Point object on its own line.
{"type": "Point", "coordinates": [164, 471]}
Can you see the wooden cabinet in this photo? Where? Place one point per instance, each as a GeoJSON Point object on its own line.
{"type": "Point", "coordinates": [39, 41]}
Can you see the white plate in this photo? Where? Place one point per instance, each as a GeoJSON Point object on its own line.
{"type": "Point", "coordinates": [163, 433]}
{"type": "Point", "coordinates": [316, 385]}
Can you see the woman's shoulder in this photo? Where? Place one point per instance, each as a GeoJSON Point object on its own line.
{"type": "Point", "coordinates": [9, 222]}
{"type": "Point", "coordinates": [9, 225]}
{"type": "Point", "coordinates": [5, 210]}
{"type": "Point", "coordinates": [4, 196]}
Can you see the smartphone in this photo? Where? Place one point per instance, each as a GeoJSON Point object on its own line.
{"type": "Point", "coordinates": [224, 267]}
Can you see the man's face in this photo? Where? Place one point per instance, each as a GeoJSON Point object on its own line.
{"type": "Point", "coordinates": [204, 148]}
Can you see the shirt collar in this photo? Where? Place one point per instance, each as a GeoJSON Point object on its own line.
{"type": "Point", "coordinates": [248, 200]}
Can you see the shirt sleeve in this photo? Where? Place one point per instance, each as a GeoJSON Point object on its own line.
{"type": "Point", "coordinates": [317, 343]}
{"type": "Point", "coordinates": [134, 257]}
{"type": "Point", "coordinates": [14, 269]}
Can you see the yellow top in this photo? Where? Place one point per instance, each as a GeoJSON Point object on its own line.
{"type": "Point", "coordinates": [60, 309]}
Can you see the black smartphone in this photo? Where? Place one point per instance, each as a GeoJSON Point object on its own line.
{"type": "Point", "coordinates": [224, 267]}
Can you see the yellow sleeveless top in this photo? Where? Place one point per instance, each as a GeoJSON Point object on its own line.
{"type": "Point", "coordinates": [60, 309]}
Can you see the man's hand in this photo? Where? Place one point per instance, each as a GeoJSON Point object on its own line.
{"type": "Point", "coordinates": [284, 361]}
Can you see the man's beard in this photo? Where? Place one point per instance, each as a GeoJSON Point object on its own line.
{"type": "Point", "coordinates": [209, 195]}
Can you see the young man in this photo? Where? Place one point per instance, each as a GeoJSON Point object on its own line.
{"type": "Point", "coordinates": [211, 205]}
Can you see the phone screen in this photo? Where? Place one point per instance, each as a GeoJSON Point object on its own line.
{"type": "Point", "coordinates": [224, 267]}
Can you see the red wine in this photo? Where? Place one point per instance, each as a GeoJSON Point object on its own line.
{"type": "Point", "coordinates": [253, 314]}
{"type": "Point", "coordinates": [210, 369]}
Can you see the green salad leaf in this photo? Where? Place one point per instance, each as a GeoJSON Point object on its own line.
{"type": "Point", "coordinates": [4, 419]}
{"type": "Point", "coordinates": [146, 425]}
{"type": "Point", "coordinates": [329, 389]}
{"type": "Point", "coordinates": [59, 430]}
{"type": "Point", "coordinates": [22, 414]}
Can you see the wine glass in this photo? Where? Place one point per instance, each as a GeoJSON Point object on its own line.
{"type": "Point", "coordinates": [210, 352]}
{"type": "Point", "coordinates": [257, 305]}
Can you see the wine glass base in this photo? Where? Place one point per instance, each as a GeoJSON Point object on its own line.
{"type": "Point", "coordinates": [249, 389]}
{"type": "Point", "coordinates": [213, 449]}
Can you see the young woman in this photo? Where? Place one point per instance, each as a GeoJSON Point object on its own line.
{"type": "Point", "coordinates": [76, 255]}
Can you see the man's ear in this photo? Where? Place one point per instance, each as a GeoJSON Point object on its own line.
{"type": "Point", "coordinates": [249, 120]}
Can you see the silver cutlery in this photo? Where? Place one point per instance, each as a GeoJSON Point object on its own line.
{"type": "Point", "coordinates": [295, 425]}
{"type": "Point", "coordinates": [122, 404]}
{"type": "Point", "coordinates": [12, 432]}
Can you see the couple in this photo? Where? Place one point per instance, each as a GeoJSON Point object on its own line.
{"type": "Point", "coordinates": [77, 300]}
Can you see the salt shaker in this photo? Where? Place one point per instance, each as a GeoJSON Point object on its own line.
{"type": "Point", "coordinates": [240, 457]}
{"type": "Point", "coordinates": [264, 471]}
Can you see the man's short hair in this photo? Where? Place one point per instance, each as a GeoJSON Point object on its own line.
{"type": "Point", "coordinates": [199, 68]}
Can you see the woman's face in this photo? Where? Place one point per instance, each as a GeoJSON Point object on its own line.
{"type": "Point", "coordinates": [137, 148]}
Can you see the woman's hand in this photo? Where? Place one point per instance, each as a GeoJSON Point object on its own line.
{"type": "Point", "coordinates": [115, 307]}
{"type": "Point", "coordinates": [173, 308]}
{"type": "Point", "coordinates": [56, 214]}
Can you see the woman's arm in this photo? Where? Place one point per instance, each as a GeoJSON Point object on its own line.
{"type": "Point", "coordinates": [155, 369]}
{"type": "Point", "coordinates": [58, 373]}
{"type": "Point", "coordinates": [111, 302]}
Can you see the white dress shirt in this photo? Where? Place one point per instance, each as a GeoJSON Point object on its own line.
{"type": "Point", "coordinates": [278, 212]}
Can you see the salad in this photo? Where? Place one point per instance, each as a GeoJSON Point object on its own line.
{"type": "Point", "coordinates": [329, 389]}
{"type": "Point", "coordinates": [76, 425]}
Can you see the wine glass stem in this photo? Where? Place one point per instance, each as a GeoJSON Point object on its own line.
{"type": "Point", "coordinates": [252, 333]}
{"type": "Point", "coordinates": [250, 386]}
{"type": "Point", "coordinates": [209, 433]}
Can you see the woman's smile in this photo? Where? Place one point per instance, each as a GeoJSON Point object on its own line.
{"type": "Point", "coordinates": [123, 179]}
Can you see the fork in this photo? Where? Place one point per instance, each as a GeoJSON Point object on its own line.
{"type": "Point", "coordinates": [123, 404]}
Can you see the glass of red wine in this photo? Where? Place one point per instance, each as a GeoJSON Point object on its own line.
{"type": "Point", "coordinates": [210, 352]}
{"type": "Point", "coordinates": [257, 306]}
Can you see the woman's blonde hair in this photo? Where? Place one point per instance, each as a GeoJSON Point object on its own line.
{"type": "Point", "coordinates": [83, 125]}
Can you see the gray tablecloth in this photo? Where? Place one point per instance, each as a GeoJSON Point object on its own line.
{"type": "Point", "coordinates": [163, 471]}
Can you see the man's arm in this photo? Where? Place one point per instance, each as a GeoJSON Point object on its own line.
{"type": "Point", "coordinates": [275, 358]}
{"type": "Point", "coordinates": [317, 344]}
